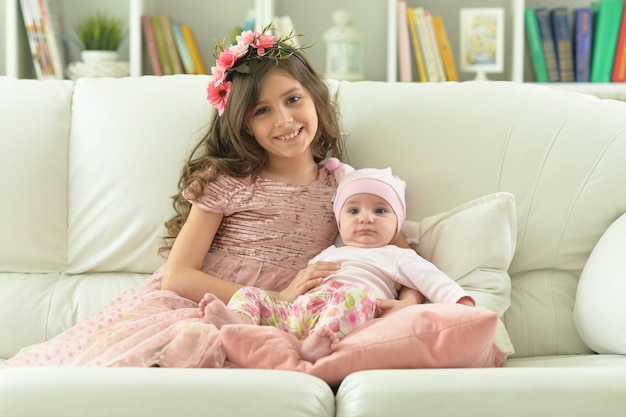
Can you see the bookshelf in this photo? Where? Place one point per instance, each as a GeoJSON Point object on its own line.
{"type": "Point", "coordinates": [210, 20]}
{"type": "Point", "coordinates": [450, 12]}
{"type": "Point", "coordinates": [213, 19]}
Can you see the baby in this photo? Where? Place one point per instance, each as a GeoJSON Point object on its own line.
{"type": "Point", "coordinates": [369, 208]}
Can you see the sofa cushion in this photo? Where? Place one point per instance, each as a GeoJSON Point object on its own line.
{"type": "Point", "coordinates": [599, 309]}
{"type": "Point", "coordinates": [34, 131]}
{"type": "Point", "coordinates": [115, 219]}
{"type": "Point", "coordinates": [474, 244]}
{"type": "Point", "coordinates": [420, 336]}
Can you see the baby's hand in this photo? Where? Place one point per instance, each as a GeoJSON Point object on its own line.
{"type": "Point", "coordinates": [466, 301]}
{"type": "Point", "coordinates": [387, 306]}
{"type": "Point", "coordinates": [307, 278]}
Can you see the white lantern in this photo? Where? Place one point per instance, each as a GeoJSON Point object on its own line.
{"type": "Point", "coordinates": [344, 49]}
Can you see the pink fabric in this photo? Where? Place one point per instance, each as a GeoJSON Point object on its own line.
{"type": "Point", "coordinates": [383, 270]}
{"type": "Point", "coordinates": [380, 182]}
{"type": "Point", "coordinates": [340, 307]}
{"type": "Point", "coordinates": [420, 336]}
{"type": "Point", "coordinates": [148, 326]}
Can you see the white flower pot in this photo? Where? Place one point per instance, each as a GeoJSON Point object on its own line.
{"type": "Point", "coordinates": [98, 56]}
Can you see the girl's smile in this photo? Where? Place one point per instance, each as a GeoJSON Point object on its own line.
{"type": "Point", "coordinates": [284, 120]}
{"type": "Point", "coordinates": [290, 136]}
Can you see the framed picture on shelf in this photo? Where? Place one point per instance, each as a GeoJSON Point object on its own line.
{"type": "Point", "coordinates": [482, 40]}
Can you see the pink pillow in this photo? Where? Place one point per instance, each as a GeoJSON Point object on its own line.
{"type": "Point", "coordinates": [420, 336]}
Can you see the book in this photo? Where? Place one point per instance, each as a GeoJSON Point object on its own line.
{"type": "Point", "coordinates": [441, 74]}
{"type": "Point", "coordinates": [404, 45]}
{"type": "Point", "coordinates": [183, 51]}
{"type": "Point", "coordinates": [444, 47]}
{"type": "Point", "coordinates": [190, 40]}
{"type": "Point", "coordinates": [50, 22]}
{"type": "Point", "coordinates": [166, 65]}
{"type": "Point", "coordinates": [619, 61]}
{"type": "Point", "coordinates": [151, 45]}
{"type": "Point", "coordinates": [426, 44]}
{"type": "Point", "coordinates": [248, 23]}
{"type": "Point", "coordinates": [31, 33]}
{"type": "Point", "coordinates": [170, 44]}
{"type": "Point", "coordinates": [547, 43]}
{"type": "Point", "coordinates": [607, 19]}
{"type": "Point", "coordinates": [417, 51]}
{"type": "Point", "coordinates": [582, 43]}
{"type": "Point", "coordinates": [563, 43]}
{"type": "Point", "coordinates": [43, 53]}
{"type": "Point", "coordinates": [535, 47]}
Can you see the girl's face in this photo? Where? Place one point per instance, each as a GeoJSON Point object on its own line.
{"type": "Point", "coordinates": [284, 119]}
{"type": "Point", "coordinates": [367, 221]}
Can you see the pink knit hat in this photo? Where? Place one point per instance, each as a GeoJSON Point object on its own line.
{"type": "Point", "coordinates": [380, 182]}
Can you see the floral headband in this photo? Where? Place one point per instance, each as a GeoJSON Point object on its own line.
{"type": "Point", "coordinates": [250, 45]}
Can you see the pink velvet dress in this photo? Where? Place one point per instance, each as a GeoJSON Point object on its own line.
{"type": "Point", "coordinates": [269, 232]}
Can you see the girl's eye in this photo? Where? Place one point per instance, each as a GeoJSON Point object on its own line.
{"type": "Point", "coordinates": [262, 110]}
{"type": "Point", "coordinates": [293, 99]}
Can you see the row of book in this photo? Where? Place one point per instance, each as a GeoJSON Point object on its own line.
{"type": "Point", "coordinates": [422, 36]}
{"type": "Point", "coordinates": [43, 30]}
{"type": "Point", "coordinates": [171, 46]}
{"type": "Point", "coordinates": [586, 44]}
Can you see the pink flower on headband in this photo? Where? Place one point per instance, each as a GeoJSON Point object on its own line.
{"type": "Point", "coordinates": [219, 88]}
{"type": "Point", "coordinates": [250, 45]}
{"type": "Point", "coordinates": [218, 95]}
{"type": "Point", "coordinates": [257, 40]}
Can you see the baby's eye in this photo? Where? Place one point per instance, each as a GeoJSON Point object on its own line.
{"type": "Point", "coordinates": [353, 211]}
{"type": "Point", "coordinates": [381, 210]}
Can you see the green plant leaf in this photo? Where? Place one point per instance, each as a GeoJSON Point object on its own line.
{"type": "Point", "coordinates": [100, 32]}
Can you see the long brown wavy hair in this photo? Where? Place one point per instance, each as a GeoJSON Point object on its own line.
{"type": "Point", "coordinates": [228, 148]}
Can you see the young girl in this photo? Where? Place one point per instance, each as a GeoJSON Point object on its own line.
{"type": "Point", "coordinates": [369, 208]}
{"type": "Point", "coordinates": [253, 207]}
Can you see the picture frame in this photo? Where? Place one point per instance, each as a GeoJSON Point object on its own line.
{"type": "Point", "coordinates": [482, 40]}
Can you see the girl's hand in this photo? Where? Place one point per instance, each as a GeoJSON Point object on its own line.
{"type": "Point", "coordinates": [307, 278]}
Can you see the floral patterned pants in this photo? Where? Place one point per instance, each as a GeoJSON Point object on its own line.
{"type": "Point", "coordinates": [341, 307]}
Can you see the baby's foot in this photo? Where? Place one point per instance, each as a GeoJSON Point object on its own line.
{"type": "Point", "coordinates": [214, 311]}
{"type": "Point", "coordinates": [321, 342]}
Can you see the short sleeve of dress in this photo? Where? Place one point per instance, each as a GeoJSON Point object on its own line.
{"type": "Point", "coordinates": [217, 195]}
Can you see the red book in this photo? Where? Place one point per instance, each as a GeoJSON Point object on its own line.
{"type": "Point", "coordinates": [619, 62]}
{"type": "Point", "coordinates": [151, 46]}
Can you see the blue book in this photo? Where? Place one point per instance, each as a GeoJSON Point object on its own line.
{"type": "Point", "coordinates": [563, 43]}
{"type": "Point", "coordinates": [582, 43]}
{"type": "Point", "coordinates": [547, 42]}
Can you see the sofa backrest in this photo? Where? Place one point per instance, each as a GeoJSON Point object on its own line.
{"type": "Point", "coordinates": [561, 154]}
{"type": "Point", "coordinates": [88, 168]}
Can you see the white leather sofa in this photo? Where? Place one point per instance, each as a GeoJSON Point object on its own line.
{"type": "Point", "coordinates": [87, 168]}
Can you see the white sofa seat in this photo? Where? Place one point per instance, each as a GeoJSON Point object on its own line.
{"type": "Point", "coordinates": [87, 169]}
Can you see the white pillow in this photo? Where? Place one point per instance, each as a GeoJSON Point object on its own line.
{"type": "Point", "coordinates": [474, 244]}
{"type": "Point", "coordinates": [599, 309]}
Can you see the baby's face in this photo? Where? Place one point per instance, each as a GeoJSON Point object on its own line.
{"type": "Point", "coordinates": [367, 221]}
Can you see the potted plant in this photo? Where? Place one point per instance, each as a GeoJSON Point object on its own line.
{"type": "Point", "coordinates": [100, 36]}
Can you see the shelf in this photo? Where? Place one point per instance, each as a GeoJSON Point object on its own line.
{"type": "Point", "coordinates": [212, 20]}
{"type": "Point", "coordinates": [616, 91]}
{"type": "Point", "coordinates": [207, 24]}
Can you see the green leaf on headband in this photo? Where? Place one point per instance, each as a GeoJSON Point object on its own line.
{"type": "Point", "coordinates": [243, 69]}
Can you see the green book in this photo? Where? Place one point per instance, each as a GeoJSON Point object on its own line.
{"type": "Point", "coordinates": [533, 36]}
{"type": "Point", "coordinates": [607, 18]}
